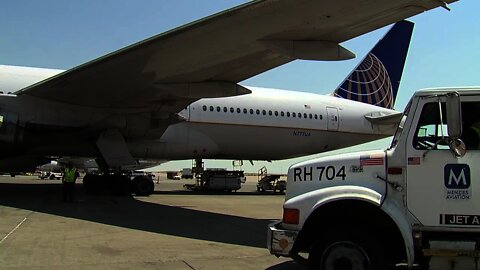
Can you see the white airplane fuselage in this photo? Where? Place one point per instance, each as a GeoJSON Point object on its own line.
{"type": "Point", "coordinates": [265, 125]}
{"type": "Point", "coordinates": [268, 124]}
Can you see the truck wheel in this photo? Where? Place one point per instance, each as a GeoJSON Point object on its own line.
{"type": "Point", "coordinates": [52, 176]}
{"type": "Point", "coordinates": [344, 251]}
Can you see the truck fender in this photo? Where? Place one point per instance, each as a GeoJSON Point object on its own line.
{"type": "Point", "coordinates": [404, 226]}
{"type": "Point", "coordinates": [348, 193]}
{"type": "Point", "coordinates": [314, 200]}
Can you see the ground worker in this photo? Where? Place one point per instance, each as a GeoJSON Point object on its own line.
{"type": "Point", "coordinates": [69, 177]}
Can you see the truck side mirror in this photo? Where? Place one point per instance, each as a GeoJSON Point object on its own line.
{"type": "Point", "coordinates": [454, 115]}
{"type": "Point", "coordinates": [454, 124]}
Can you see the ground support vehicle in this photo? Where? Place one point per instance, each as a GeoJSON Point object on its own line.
{"type": "Point", "coordinates": [50, 175]}
{"type": "Point", "coordinates": [270, 181]}
{"type": "Point", "coordinates": [218, 180]}
{"type": "Point", "coordinates": [415, 204]}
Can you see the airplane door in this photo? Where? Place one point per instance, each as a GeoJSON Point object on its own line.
{"type": "Point", "coordinates": [332, 118]}
{"type": "Point", "coordinates": [436, 177]}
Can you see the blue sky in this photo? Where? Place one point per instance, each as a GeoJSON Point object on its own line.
{"type": "Point", "coordinates": [444, 51]}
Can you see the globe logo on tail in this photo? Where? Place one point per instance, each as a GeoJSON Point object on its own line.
{"type": "Point", "coordinates": [368, 83]}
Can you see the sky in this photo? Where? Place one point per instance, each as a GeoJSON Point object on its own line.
{"type": "Point", "coordinates": [444, 49]}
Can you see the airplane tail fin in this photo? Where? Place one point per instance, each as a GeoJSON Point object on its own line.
{"type": "Point", "coordinates": [377, 78]}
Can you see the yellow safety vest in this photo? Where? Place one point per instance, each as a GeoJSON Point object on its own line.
{"type": "Point", "coordinates": [70, 175]}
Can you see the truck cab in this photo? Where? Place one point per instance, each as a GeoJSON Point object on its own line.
{"type": "Point", "coordinates": [413, 204]}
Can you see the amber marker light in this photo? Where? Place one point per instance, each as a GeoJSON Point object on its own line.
{"type": "Point", "coordinates": [291, 216]}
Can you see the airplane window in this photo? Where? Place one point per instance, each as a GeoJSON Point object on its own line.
{"type": "Point", "coordinates": [299, 115]}
{"type": "Point", "coordinates": [204, 108]}
{"type": "Point", "coordinates": [321, 117]}
{"type": "Point", "coordinates": [282, 114]}
{"type": "Point", "coordinates": [269, 112]}
{"type": "Point", "coordinates": [288, 114]}
{"type": "Point", "coordinates": [225, 109]}
{"type": "Point", "coordinates": [238, 110]}
{"type": "Point", "coordinates": [258, 111]}
{"type": "Point", "coordinates": [294, 115]}
{"type": "Point", "coordinates": [244, 110]}
{"type": "Point", "coordinates": [251, 111]}
{"type": "Point", "coordinates": [310, 116]}
{"type": "Point", "coordinates": [264, 112]}
{"type": "Point", "coordinates": [232, 109]}
{"type": "Point", "coordinates": [305, 115]}
{"type": "Point", "coordinates": [211, 108]}
{"type": "Point", "coordinates": [336, 118]}
{"type": "Point", "coordinates": [276, 113]}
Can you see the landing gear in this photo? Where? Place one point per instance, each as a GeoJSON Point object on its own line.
{"type": "Point", "coordinates": [117, 184]}
{"type": "Point", "coordinates": [142, 185]}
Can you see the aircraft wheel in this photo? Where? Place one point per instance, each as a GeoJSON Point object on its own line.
{"type": "Point", "coordinates": [143, 186]}
{"type": "Point", "coordinates": [94, 184]}
{"type": "Point", "coordinates": [120, 185]}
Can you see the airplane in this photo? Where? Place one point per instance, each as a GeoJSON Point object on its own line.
{"type": "Point", "coordinates": [162, 99]}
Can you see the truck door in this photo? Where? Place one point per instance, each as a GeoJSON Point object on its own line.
{"type": "Point", "coordinates": [442, 190]}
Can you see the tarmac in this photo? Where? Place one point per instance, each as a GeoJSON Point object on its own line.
{"type": "Point", "coordinates": [170, 229]}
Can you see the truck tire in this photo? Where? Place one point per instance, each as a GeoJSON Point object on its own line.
{"type": "Point", "coordinates": [344, 250]}
{"type": "Point", "coordinates": [52, 176]}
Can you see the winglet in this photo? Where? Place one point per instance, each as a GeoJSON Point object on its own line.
{"type": "Point", "coordinates": [377, 78]}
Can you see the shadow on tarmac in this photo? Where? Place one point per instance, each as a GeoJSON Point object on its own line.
{"type": "Point", "coordinates": [127, 212]}
{"type": "Point", "coordinates": [217, 193]}
{"type": "Point", "coordinates": [288, 266]}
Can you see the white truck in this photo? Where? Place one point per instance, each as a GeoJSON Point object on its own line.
{"type": "Point", "coordinates": [415, 205]}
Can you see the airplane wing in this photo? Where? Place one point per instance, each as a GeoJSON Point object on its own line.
{"type": "Point", "coordinates": [207, 58]}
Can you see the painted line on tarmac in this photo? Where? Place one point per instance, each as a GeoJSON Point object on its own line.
{"type": "Point", "coordinates": [188, 265]}
{"type": "Point", "coordinates": [14, 229]}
